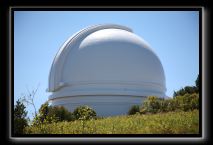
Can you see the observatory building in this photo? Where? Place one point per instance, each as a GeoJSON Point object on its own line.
{"type": "Point", "coordinates": [106, 67]}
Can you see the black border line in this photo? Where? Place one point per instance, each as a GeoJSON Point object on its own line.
{"type": "Point", "coordinates": [109, 9]}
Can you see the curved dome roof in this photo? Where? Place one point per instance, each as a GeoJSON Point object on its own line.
{"type": "Point", "coordinates": [106, 60]}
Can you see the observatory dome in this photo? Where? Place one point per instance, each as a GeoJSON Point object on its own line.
{"type": "Point", "coordinates": [106, 67]}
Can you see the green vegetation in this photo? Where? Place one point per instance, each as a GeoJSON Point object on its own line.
{"type": "Point", "coordinates": [186, 102]}
{"type": "Point", "coordinates": [156, 115]}
{"type": "Point", "coordinates": [49, 114]}
{"type": "Point", "coordinates": [177, 115]}
{"type": "Point", "coordinates": [84, 113]}
{"type": "Point", "coordinates": [197, 82]}
{"type": "Point", "coordinates": [188, 89]}
{"type": "Point", "coordinates": [20, 120]}
{"type": "Point", "coordinates": [162, 123]}
{"type": "Point", "coordinates": [134, 109]}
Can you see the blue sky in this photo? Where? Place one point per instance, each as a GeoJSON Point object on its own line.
{"type": "Point", "coordinates": [173, 35]}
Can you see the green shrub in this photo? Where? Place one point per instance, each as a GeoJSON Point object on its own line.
{"type": "Point", "coordinates": [143, 110]}
{"type": "Point", "coordinates": [84, 113]}
{"type": "Point", "coordinates": [187, 102]}
{"type": "Point", "coordinates": [161, 123]}
{"type": "Point", "coordinates": [134, 109]}
{"type": "Point", "coordinates": [50, 114]}
{"type": "Point", "coordinates": [172, 105]}
{"type": "Point", "coordinates": [61, 113]}
{"type": "Point", "coordinates": [152, 104]}
{"type": "Point", "coordinates": [194, 101]}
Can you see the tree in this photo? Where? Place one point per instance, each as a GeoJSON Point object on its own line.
{"type": "Point", "coordinates": [61, 113]}
{"type": "Point", "coordinates": [50, 114]}
{"type": "Point", "coordinates": [43, 111]}
{"type": "Point", "coordinates": [186, 90]}
{"type": "Point", "coordinates": [29, 98]}
{"type": "Point", "coordinates": [42, 116]}
{"type": "Point", "coordinates": [20, 120]}
{"type": "Point", "coordinates": [197, 82]}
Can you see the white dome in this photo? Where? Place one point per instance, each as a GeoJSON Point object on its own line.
{"type": "Point", "coordinates": [105, 60]}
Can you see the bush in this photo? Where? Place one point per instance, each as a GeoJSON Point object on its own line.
{"type": "Point", "coordinates": [164, 105]}
{"type": "Point", "coordinates": [172, 105]}
{"type": "Point", "coordinates": [152, 104]}
{"type": "Point", "coordinates": [61, 113]}
{"type": "Point", "coordinates": [194, 101]}
{"type": "Point", "coordinates": [50, 114]}
{"type": "Point", "coordinates": [143, 110]}
{"type": "Point", "coordinates": [187, 102]}
{"type": "Point", "coordinates": [134, 109]}
{"type": "Point", "coordinates": [84, 113]}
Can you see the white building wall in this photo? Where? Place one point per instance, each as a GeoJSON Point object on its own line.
{"type": "Point", "coordinates": [106, 67]}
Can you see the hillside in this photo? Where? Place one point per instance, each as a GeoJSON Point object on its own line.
{"type": "Point", "coordinates": [161, 123]}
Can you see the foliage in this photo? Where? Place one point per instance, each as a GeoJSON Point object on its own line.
{"type": "Point", "coordinates": [186, 102]}
{"type": "Point", "coordinates": [50, 114]}
{"type": "Point", "coordinates": [42, 117]}
{"type": "Point", "coordinates": [171, 105]}
{"type": "Point", "coordinates": [61, 113]}
{"type": "Point", "coordinates": [134, 109]}
{"type": "Point", "coordinates": [161, 123]}
{"type": "Point", "coordinates": [20, 120]}
{"type": "Point", "coordinates": [197, 82]}
{"type": "Point", "coordinates": [152, 104]}
{"type": "Point", "coordinates": [84, 113]}
{"type": "Point", "coordinates": [186, 90]}
{"type": "Point", "coordinates": [194, 101]}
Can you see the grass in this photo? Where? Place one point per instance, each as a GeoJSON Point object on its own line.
{"type": "Point", "coordinates": [161, 123]}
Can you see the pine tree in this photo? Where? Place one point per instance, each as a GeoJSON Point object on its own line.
{"type": "Point", "coordinates": [20, 120]}
{"type": "Point", "coordinates": [197, 82]}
